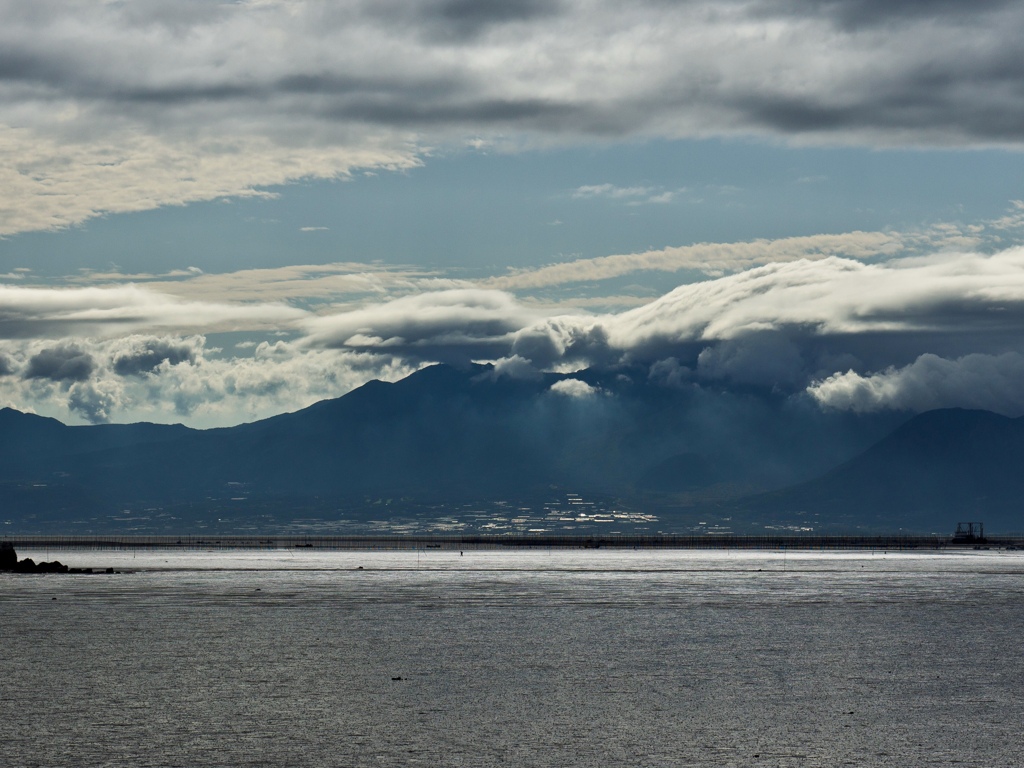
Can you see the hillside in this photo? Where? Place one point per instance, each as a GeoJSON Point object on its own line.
{"type": "Point", "coordinates": [442, 436]}
{"type": "Point", "coordinates": [938, 468]}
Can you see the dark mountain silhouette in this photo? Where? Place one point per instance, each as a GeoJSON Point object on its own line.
{"type": "Point", "coordinates": [27, 438]}
{"type": "Point", "coordinates": [442, 435]}
{"type": "Point", "coordinates": [937, 469]}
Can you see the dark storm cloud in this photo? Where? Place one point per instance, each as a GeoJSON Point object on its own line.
{"type": "Point", "coordinates": [555, 341]}
{"type": "Point", "coordinates": [64, 362]}
{"type": "Point", "coordinates": [144, 356]}
{"type": "Point", "coordinates": [339, 88]}
{"type": "Point", "coordinates": [483, 12]}
{"type": "Point", "coordinates": [91, 402]}
{"type": "Point", "coordinates": [461, 20]}
{"type": "Point", "coordinates": [339, 85]}
{"type": "Point", "coordinates": [940, 69]}
{"type": "Point", "coordinates": [980, 96]}
{"type": "Point", "coordinates": [769, 359]}
{"type": "Point", "coordinates": [467, 19]}
{"type": "Point", "coordinates": [425, 112]}
{"type": "Point", "coordinates": [127, 106]}
{"type": "Point", "coordinates": [855, 14]}
{"type": "Point", "coordinates": [28, 65]}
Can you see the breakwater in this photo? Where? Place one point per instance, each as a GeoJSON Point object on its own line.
{"type": "Point", "coordinates": [463, 542]}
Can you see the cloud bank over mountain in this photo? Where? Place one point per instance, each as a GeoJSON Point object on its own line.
{"type": "Point", "coordinates": [986, 382]}
{"type": "Point", "coordinates": [798, 318]}
{"type": "Point", "coordinates": [909, 333]}
{"type": "Point", "coordinates": [114, 107]}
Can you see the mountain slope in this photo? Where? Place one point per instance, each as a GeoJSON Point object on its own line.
{"type": "Point", "coordinates": [937, 469]}
{"type": "Point", "coordinates": [442, 435]}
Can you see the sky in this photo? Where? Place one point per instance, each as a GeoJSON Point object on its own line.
{"type": "Point", "coordinates": [213, 212]}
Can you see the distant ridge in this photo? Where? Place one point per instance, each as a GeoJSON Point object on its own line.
{"type": "Point", "coordinates": [938, 468]}
{"type": "Point", "coordinates": [447, 436]}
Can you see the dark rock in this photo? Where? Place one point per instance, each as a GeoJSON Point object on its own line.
{"type": "Point", "coordinates": [8, 557]}
{"type": "Point", "coordinates": [9, 562]}
{"type": "Point", "coordinates": [28, 565]}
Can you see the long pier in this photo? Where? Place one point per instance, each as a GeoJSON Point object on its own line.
{"type": "Point", "coordinates": [493, 542]}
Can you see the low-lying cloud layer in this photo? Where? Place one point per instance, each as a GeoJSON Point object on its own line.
{"type": "Point", "coordinates": [448, 326]}
{"type": "Point", "coordinates": [911, 333]}
{"type": "Point", "coordinates": [989, 382]}
{"type": "Point", "coordinates": [27, 312]}
{"type": "Point", "coordinates": [126, 106]}
{"type": "Point", "coordinates": [178, 379]}
{"type": "Point", "coordinates": [942, 299]}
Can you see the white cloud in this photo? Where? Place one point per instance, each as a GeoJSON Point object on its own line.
{"type": "Point", "coordinates": [611, 191]}
{"type": "Point", "coordinates": [574, 388]}
{"type": "Point", "coordinates": [765, 315]}
{"type": "Point", "coordinates": [49, 182]}
{"type": "Point", "coordinates": [55, 312]}
{"type": "Point", "coordinates": [455, 325]}
{"type": "Point", "coordinates": [628, 195]}
{"type": "Point", "coordinates": [355, 282]}
{"type": "Point", "coordinates": [945, 293]}
{"type": "Point", "coordinates": [661, 198]}
{"type": "Point", "coordinates": [1014, 219]}
{"type": "Point", "coordinates": [989, 382]}
{"type": "Point", "coordinates": [516, 367]}
{"type": "Point", "coordinates": [299, 282]}
{"type": "Point", "coordinates": [710, 258]}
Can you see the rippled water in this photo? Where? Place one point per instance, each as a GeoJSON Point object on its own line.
{"type": "Point", "coordinates": [560, 658]}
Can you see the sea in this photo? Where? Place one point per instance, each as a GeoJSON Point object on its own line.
{"type": "Point", "coordinates": [515, 658]}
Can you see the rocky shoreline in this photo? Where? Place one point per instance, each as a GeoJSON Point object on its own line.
{"type": "Point", "coordinates": [10, 563]}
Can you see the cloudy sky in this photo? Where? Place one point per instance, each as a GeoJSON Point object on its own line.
{"type": "Point", "coordinates": [215, 211]}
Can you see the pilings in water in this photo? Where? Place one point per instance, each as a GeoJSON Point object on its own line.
{"type": "Point", "coordinates": [499, 541]}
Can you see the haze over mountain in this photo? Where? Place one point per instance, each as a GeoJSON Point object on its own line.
{"type": "Point", "coordinates": [939, 468]}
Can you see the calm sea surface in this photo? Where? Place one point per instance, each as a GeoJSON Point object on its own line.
{"type": "Point", "coordinates": [560, 658]}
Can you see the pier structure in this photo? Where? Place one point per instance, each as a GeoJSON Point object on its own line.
{"type": "Point", "coordinates": [970, 533]}
{"type": "Point", "coordinates": [513, 541]}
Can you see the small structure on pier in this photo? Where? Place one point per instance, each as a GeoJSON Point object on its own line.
{"type": "Point", "coordinates": [969, 533]}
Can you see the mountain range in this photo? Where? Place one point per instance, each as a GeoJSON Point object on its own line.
{"type": "Point", "coordinates": [448, 438]}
